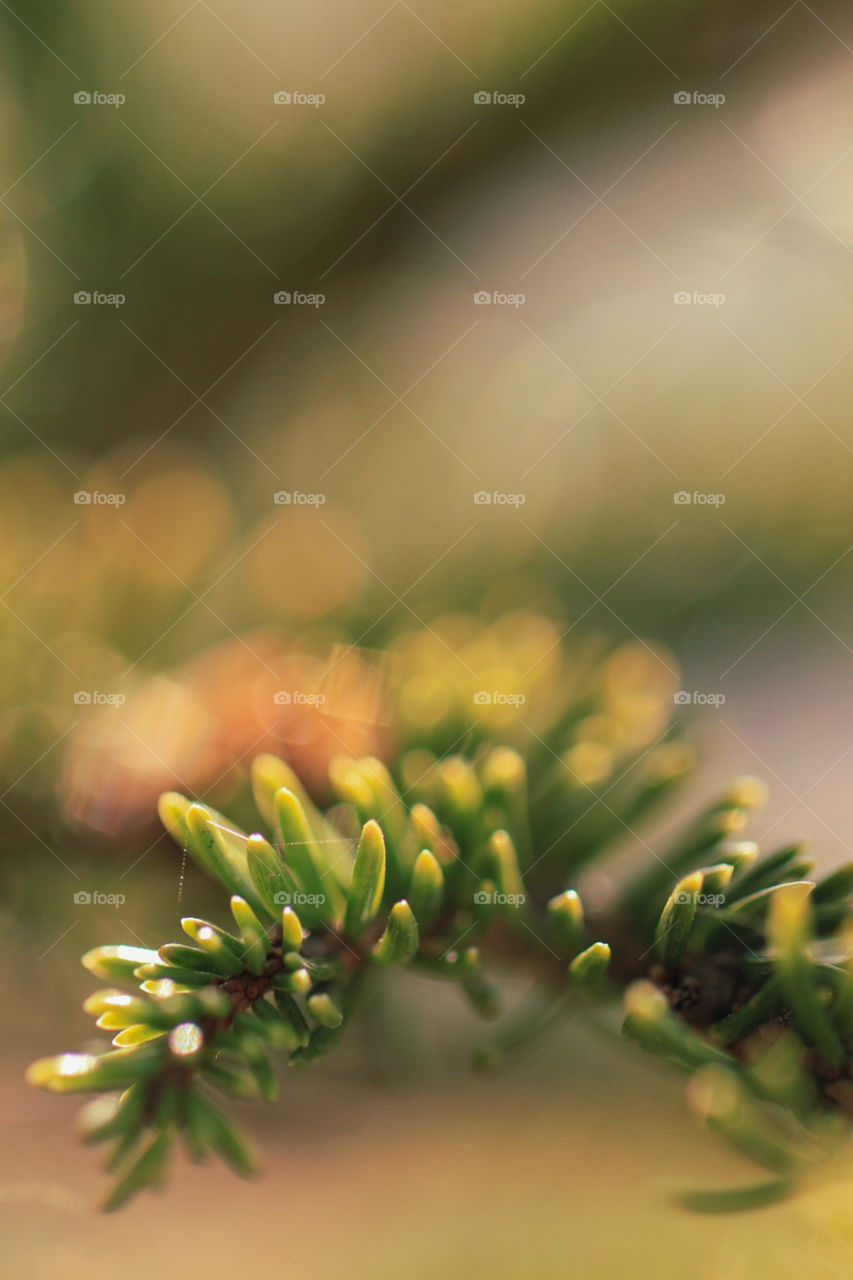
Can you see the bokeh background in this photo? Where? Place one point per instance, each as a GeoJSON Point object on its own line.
{"type": "Point", "coordinates": [285, 301]}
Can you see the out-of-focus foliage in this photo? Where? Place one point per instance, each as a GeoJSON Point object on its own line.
{"type": "Point", "coordinates": [198, 399]}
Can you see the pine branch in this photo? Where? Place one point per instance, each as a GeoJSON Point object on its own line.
{"type": "Point", "coordinates": [732, 968]}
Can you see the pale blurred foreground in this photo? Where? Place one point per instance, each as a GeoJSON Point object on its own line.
{"type": "Point", "coordinates": [562, 1166]}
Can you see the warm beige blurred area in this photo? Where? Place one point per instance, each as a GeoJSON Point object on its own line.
{"type": "Point", "coordinates": [448, 1175]}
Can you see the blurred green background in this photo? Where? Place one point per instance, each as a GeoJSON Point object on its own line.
{"type": "Point", "coordinates": [669, 317]}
